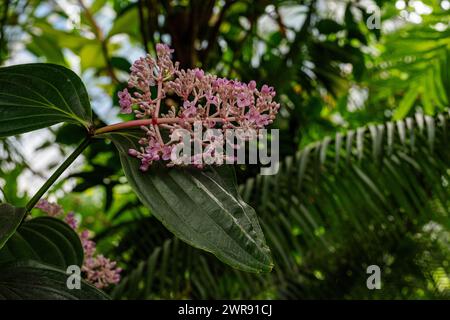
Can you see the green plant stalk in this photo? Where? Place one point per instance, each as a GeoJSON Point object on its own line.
{"type": "Point", "coordinates": [72, 157]}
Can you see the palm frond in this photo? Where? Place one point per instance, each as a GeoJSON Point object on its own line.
{"type": "Point", "coordinates": [349, 201]}
{"type": "Point", "coordinates": [175, 270]}
{"type": "Point", "coordinates": [412, 71]}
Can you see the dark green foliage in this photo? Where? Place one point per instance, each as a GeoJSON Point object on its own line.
{"type": "Point", "coordinates": [10, 218]}
{"type": "Point", "coordinates": [34, 96]}
{"type": "Point", "coordinates": [34, 281]}
{"type": "Point", "coordinates": [34, 260]}
{"type": "Point", "coordinates": [46, 240]}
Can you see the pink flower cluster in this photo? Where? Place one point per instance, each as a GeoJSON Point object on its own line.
{"type": "Point", "coordinates": [189, 96]}
{"type": "Point", "coordinates": [52, 209]}
{"type": "Point", "coordinates": [98, 270]}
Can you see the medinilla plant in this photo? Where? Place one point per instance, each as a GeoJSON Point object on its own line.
{"type": "Point", "coordinates": [200, 204]}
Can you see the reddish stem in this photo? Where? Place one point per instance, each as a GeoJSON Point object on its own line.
{"type": "Point", "coordinates": [147, 122]}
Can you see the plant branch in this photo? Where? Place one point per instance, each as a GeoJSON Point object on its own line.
{"type": "Point", "coordinates": [152, 9]}
{"type": "Point", "coordinates": [302, 35]}
{"type": "Point", "coordinates": [214, 32]}
{"type": "Point", "coordinates": [103, 41]}
{"type": "Point", "coordinates": [30, 205]}
{"type": "Point", "coordinates": [280, 22]}
{"type": "Point", "coordinates": [142, 25]}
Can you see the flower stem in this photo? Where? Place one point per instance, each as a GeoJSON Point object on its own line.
{"type": "Point", "coordinates": [158, 105]}
{"type": "Point", "coordinates": [146, 122]}
{"type": "Point", "coordinates": [30, 205]}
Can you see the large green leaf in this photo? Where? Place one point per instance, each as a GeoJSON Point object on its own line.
{"type": "Point", "coordinates": [46, 240]}
{"type": "Point", "coordinates": [10, 218]}
{"type": "Point", "coordinates": [33, 281]}
{"type": "Point", "coordinates": [202, 208]}
{"type": "Point", "coordinates": [34, 96]}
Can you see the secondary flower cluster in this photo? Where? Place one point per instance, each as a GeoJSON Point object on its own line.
{"type": "Point", "coordinates": [202, 98]}
{"type": "Point", "coordinates": [50, 208]}
{"type": "Point", "coordinates": [98, 270]}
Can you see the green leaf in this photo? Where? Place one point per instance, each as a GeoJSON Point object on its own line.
{"type": "Point", "coordinates": [126, 22]}
{"type": "Point", "coordinates": [31, 280]}
{"type": "Point", "coordinates": [121, 64]}
{"type": "Point", "coordinates": [44, 46]}
{"type": "Point", "coordinates": [202, 208]}
{"type": "Point", "coordinates": [69, 134]}
{"type": "Point", "coordinates": [34, 96]}
{"type": "Point", "coordinates": [71, 40]}
{"type": "Point", "coordinates": [406, 103]}
{"type": "Point", "coordinates": [328, 26]}
{"type": "Point", "coordinates": [91, 56]}
{"type": "Point", "coordinates": [10, 218]}
{"type": "Point", "coordinates": [46, 240]}
{"type": "Point", "coordinates": [97, 5]}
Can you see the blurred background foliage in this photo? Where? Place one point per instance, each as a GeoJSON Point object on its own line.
{"type": "Point", "coordinates": [364, 130]}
